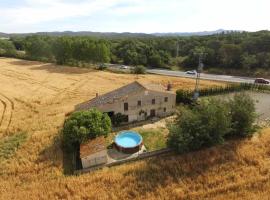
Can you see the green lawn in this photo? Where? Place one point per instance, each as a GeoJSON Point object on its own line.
{"type": "Point", "coordinates": [154, 139]}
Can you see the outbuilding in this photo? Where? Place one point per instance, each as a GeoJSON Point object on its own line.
{"type": "Point", "coordinates": [94, 152]}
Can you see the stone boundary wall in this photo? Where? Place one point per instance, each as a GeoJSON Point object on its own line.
{"type": "Point", "coordinates": [120, 162]}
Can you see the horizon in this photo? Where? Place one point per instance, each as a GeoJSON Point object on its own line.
{"type": "Point", "coordinates": [202, 31]}
{"type": "Point", "coordinates": [122, 16]}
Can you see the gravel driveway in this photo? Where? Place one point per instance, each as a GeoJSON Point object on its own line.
{"type": "Point", "coordinates": [262, 103]}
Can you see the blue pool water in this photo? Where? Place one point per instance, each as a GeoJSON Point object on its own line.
{"type": "Point", "coordinates": [128, 139]}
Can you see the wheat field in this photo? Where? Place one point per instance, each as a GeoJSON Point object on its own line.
{"type": "Point", "coordinates": [34, 98]}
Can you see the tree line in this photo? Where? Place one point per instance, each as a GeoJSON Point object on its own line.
{"type": "Point", "coordinates": [235, 50]}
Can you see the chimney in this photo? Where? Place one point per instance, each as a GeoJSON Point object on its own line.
{"type": "Point", "coordinates": [96, 95]}
{"type": "Point", "coordinates": [169, 87]}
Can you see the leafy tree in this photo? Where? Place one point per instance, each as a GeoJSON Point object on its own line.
{"type": "Point", "coordinates": [263, 60]}
{"type": "Point", "coordinates": [83, 125]}
{"type": "Point", "coordinates": [102, 53]}
{"type": "Point", "coordinates": [249, 61]}
{"type": "Point", "coordinates": [7, 48]}
{"type": "Point", "coordinates": [63, 49]}
{"type": "Point", "coordinates": [18, 43]}
{"type": "Point", "coordinates": [234, 50]}
{"type": "Point", "coordinates": [230, 55]}
{"type": "Point", "coordinates": [139, 70]}
{"type": "Point", "coordinates": [38, 47]}
{"type": "Point", "coordinates": [155, 60]}
{"type": "Point", "coordinates": [243, 115]}
{"type": "Point", "coordinates": [204, 125]}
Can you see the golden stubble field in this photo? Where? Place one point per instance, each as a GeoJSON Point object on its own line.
{"type": "Point", "coordinates": [34, 98]}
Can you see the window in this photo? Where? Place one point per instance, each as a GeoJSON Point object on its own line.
{"type": "Point", "coordinates": [152, 113]}
{"type": "Point", "coordinates": [153, 101]}
{"type": "Point", "coordinates": [166, 99]}
{"type": "Point", "coordinates": [139, 103]}
{"type": "Point", "coordinates": [164, 109]}
{"type": "Point", "coordinates": [125, 106]}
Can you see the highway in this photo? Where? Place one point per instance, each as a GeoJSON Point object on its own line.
{"type": "Point", "coordinates": [214, 77]}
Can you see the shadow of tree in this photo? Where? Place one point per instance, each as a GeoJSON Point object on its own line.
{"type": "Point", "coordinates": [51, 67]}
{"type": "Point", "coordinates": [56, 155]}
{"type": "Point", "coordinates": [25, 62]}
{"type": "Point", "coordinates": [62, 69]}
{"type": "Point", "coordinates": [51, 153]}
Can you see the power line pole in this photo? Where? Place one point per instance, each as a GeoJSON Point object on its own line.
{"type": "Point", "coordinates": [199, 70]}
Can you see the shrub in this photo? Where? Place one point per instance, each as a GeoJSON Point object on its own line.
{"type": "Point", "coordinates": [7, 48]}
{"type": "Point", "coordinates": [243, 115]}
{"type": "Point", "coordinates": [139, 70]}
{"type": "Point", "coordinates": [203, 125]}
{"type": "Point", "coordinates": [118, 118]}
{"type": "Point", "coordinates": [82, 125]}
{"type": "Point", "coordinates": [102, 66]}
{"type": "Point", "coordinates": [184, 96]}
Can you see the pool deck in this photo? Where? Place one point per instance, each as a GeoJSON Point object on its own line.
{"type": "Point", "coordinates": [114, 156]}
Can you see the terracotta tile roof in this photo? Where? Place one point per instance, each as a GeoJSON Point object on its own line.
{"type": "Point", "coordinates": [92, 146]}
{"type": "Point", "coordinates": [154, 87]}
{"type": "Point", "coordinates": [120, 93]}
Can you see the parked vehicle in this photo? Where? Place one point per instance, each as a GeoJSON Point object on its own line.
{"type": "Point", "coordinates": [261, 81]}
{"type": "Point", "coordinates": [124, 67]}
{"type": "Point", "coordinates": [192, 72]}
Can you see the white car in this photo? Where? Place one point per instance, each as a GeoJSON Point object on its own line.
{"type": "Point", "coordinates": [124, 67]}
{"type": "Point", "coordinates": [192, 72]}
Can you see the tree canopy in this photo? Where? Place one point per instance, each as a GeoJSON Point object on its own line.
{"type": "Point", "coordinates": [235, 50]}
{"type": "Point", "coordinates": [210, 121]}
{"type": "Point", "coordinates": [84, 125]}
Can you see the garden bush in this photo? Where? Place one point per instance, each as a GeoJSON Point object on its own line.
{"type": "Point", "coordinates": [119, 118]}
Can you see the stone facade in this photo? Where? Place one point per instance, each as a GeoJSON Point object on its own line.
{"type": "Point", "coordinates": [139, 104]}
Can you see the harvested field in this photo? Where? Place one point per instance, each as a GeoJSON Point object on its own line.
{"type": "Point", "coordinates": [34, 98]}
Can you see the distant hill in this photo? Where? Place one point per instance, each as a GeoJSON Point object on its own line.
{"type": "Point", "coordinates": [202, 33]}
{"type": "Point", "coordinates": [80, 33]}
{"type": "Point", "coordinates": [3, 35]}
{"type": "Point", "coordinates": [117, 35]}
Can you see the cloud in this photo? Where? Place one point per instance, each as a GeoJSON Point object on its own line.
{"type": "Point", "coordinates": [47, 10]}
{"type": "Point", "coordinates": [133, 15]}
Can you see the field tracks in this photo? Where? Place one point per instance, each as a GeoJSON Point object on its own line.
{"type": "Point", "coordinates": [4, 111]}
{"type": "Point", "coordinates": [7, 114]}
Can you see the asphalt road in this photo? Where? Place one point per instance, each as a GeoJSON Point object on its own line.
{"type": "Point", "coordinates": [214, 77]}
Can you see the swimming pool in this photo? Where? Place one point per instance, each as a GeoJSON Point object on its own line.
{"type": "Point", "coordinates": [128, 141]}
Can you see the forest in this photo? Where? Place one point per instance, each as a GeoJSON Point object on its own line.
{"type": "Point", "coordinates": [242, 51]}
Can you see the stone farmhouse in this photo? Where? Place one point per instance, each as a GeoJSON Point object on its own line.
{"type": "Point", "coordinates": [137, 101]}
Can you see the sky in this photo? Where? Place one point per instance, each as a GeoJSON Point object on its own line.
{"type": "Point", "coordinates": [147, 16]}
